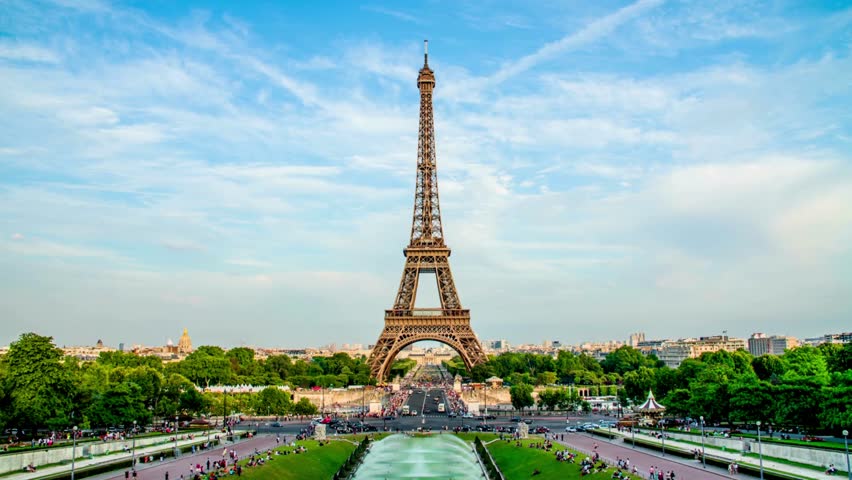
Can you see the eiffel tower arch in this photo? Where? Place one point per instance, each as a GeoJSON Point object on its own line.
{"type": "Point", "coordinates": [426, 253]}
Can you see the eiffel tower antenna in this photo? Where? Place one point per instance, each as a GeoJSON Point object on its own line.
{"type": "Point", "coordinates": [426, 253]}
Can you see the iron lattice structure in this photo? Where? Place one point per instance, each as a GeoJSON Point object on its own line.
{"type": "Point", "coordinates": [426, 253]}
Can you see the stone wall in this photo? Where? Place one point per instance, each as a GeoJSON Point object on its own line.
{"type": "Point", "coordinates": [17, 462]}
{"type": "Point", "coordinates": [811, 456]}
{"type": "Point", "coordinates": [344, 398]}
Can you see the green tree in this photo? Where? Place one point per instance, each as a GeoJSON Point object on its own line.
{"type": "Point", "coordinates": [637, 383]}
{"type": "Point", "coordinates": [272, 401]}
{"type": "Point", "coordinates": [304, 407]}
{"type": "Point", "coordinates": [623, 359]}
{"type": "Point", "coordinates": [521, 396]}
{"type": "Point", "coordinates": [206, 366]}
{"type": "Point", "coordinates": [119, 405]}
{"type": "Point", "coordinates": [545, 378]}
{"type": "Point", "coordinates": [39, 388]}
{"type": "Point", "coordinates": [805, 361]}
{"type": "Point", "coordinates": [767, 367]}
{"type": "Point", "coordinates": [751, 399]}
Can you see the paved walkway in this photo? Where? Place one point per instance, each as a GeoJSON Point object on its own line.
{"type": "Point", "coordinates": [800, 472]}
{"type": "Point", "coordinates": [119, 455]}
{"type": "Point", "coordinates": [181, 465]}
{"type": "Point", "coordinates": [643, 459]}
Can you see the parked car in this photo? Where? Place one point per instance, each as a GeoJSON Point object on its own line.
{"type": "Point", "coordinates": [570, 429]}
{"type": "Point", "coordinates": [541, 429]}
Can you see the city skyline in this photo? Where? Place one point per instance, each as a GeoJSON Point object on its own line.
{"type": "Point", "coordinates": [676, 169]}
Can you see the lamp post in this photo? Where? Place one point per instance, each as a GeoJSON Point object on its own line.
{"type": "Point", "coordinates": [133, 455]}
{"type": "Point", "coordinates": [74, 449]}
{"type": "Point", "coordinates": [224, 408]}
{"type": "Point", "coordinates": [485, 396]}
{"type": "Point", "coordinates": [663, 436]}
{"type": "Point", "coordinates": [703, 460]}
{"type": "Point", "coordinates": [176, 434]}
{"type": "Point", "coordinates": [322, 395]}
{"type": "Point", "coordinates": [633, 432]}
{"type": "Point", "coordinates": [846, 444]}
{"type": "Point", "coordinates": [760, 450]}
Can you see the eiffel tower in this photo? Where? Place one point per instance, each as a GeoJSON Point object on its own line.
{"type": "Point", "coordinates": [426, 253]}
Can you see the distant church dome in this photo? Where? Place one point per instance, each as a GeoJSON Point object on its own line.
{"type": "Point", "coordinates": [185, 344]}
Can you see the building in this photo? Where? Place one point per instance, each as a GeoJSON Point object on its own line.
{"type": "Point", "coordinates": [184, 344]}
{"type": "Point", "coordinates": [635, 339]}
{"type": "Point", "coordinates": [760, 344]}
{"type": "Point", "coordinates": [674, 352]}
{"type": "Point", "coordinates": [497, 344]}
{"type": "Point", "coordinates": [830, 338]}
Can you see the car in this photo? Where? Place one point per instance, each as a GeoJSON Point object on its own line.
{"type": "Point", "coordinates": [528, 421]}
{"type": "Point", "coordinates": [452, 415]}
{"type": "Point", "coordinates": [515, 419]}
{"type": "Point", "coordinates": [276, 425]}
{"type": "Point", "coordinates": [570, 429]}
{"type": "Point", "coordinates": [390, 417]}
{"type": "Point", "coordinates": [541, 429]}
{"type": "Point", "coordinates": [491, 417]}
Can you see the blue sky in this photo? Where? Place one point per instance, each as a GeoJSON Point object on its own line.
{"type": "Point", "coordinates": [246, 169]}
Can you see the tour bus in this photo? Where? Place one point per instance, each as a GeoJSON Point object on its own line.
{"type": "Point", "coordinates": [405, 409]}
{"type": "Point", "coordinates": [441, 408]}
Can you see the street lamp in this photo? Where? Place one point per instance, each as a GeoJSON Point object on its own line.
{"type": "Point", "coordinates": [224, 408]}
{"type": "Point", "coordinates": [633, 432]}
{"type": "Point", "coordinates": [663, 436]}
{"type": "Point", "coordinates": [703, 459]}
{"type": "Point", "coordinates": [760, 449]}
{"type": "Point", "coordinates": [846, 444]}
{"type": "Point", "coordinates": [133, 455]}
{"type": "Point", "coordinates": [176, 434]}
{"type": "Point", "coordinates": [74, 449]}
{"type": "Point", "coordinates": [485, 415]}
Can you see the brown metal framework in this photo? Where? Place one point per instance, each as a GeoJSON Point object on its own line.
{"type": "Point", "coordinates": [426, 253]}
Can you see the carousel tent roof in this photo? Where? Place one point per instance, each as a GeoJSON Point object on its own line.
{"type": "Point", "coordinates": [650, 405]}
{"type": "Point", "coordinates": [493, 379]}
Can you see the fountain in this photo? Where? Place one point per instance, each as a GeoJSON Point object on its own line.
{"type": "Point", "coordinates": [437, 456]}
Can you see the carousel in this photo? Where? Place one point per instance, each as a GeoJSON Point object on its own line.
{"type": "Point", "coordinates": [651, 410]}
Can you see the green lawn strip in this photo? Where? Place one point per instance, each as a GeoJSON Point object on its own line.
{"type": "Point", "coordinates": [520, 462]}
{"type": "Point", "coordinates": [763, 438]}
{"type": "Point", "coordinates": [317, 462]}
{"type": "Point", "coordinates": [784, 461]}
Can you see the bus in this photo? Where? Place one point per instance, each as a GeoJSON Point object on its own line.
{"type": "Point", "coordinates": [405, 409]}
{"type": "Point", "coordinates": [440, 408]}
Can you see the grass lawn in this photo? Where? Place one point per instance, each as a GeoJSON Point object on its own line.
{"type": "Point", "coordinates": [518, 463]}
{"type": "Point", "coordinates": [317, 463]}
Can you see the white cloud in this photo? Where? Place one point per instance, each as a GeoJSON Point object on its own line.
{"type": "Point", "coordinates": [27, 52]}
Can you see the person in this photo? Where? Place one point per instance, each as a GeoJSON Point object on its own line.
{"type": "Point", "coordinates": [127, 474]}
{"type": "Point", "coordinates": [831, 470]}
{"type": "Point", "coordinates": [167, 475]}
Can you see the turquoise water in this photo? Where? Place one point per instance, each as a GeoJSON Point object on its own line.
{"type": "Point", "coordinates": [437, 456]}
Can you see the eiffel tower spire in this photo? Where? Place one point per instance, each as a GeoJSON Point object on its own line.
{"type": "Point", "coordinates": [426, 253]}
{"type": "Point", "coordinates": [426, 227]}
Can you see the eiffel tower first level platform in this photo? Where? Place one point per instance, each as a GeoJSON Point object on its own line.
{"type": "Point", "coordinates": [426, 253]}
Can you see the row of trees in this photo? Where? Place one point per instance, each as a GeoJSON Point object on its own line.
{"type": "Point", "coordinates": [40, 388]}
{"type": "Point", "coordinates": [807, 386]}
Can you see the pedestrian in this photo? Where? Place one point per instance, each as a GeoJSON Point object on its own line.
{"type": "Point", "coordinates": [167, 475]}
{"type": "Point", "coordinates": [134, 473]}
